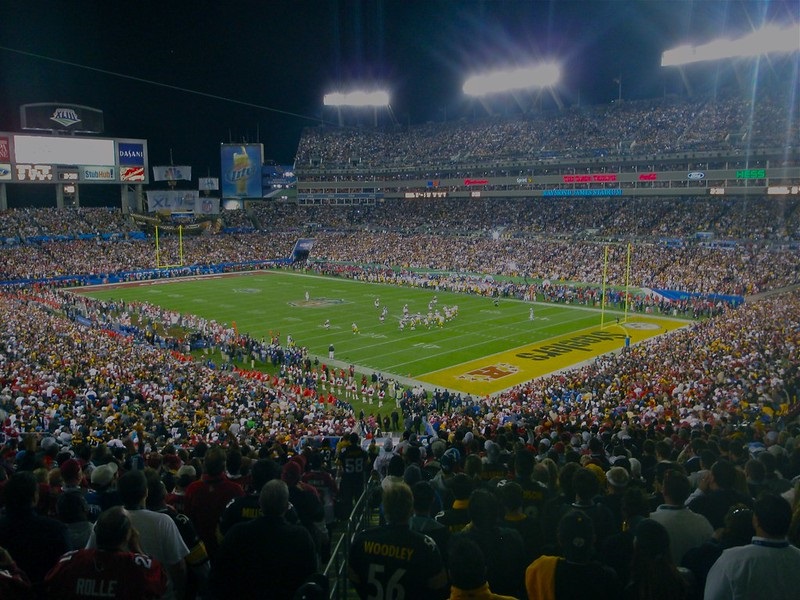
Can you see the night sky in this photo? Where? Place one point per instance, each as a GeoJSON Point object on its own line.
{"type": "Point", "coordinates": [153, 67]}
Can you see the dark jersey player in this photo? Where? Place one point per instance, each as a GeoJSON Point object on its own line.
{"type": "Point", "coordinates": [353, 464]}
{"type": "Point", "coordinates": [394, 562]}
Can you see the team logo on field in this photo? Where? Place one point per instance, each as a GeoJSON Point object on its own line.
{"type": "Point", "coordinates": [317, 302]}
{"type": "Point", "coordinates": [246, 291]}
{"type": "Point", "coordinates": [490, 372]}
{"type": "Point", "coordinates": [641, 326]}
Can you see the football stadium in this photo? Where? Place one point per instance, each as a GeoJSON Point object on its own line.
{"type": "Point", "coordinates": [537, 346]}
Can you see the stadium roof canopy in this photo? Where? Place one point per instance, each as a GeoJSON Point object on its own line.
{"type": "Point", "coordinates": [357, 98]}
{"type": "Point", "coordinates": [498, 82]}
{"type": "Point", "coordinates": [767, 40]}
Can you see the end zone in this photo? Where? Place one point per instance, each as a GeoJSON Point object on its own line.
{"type": "Point", "coordinates": [493, 374]}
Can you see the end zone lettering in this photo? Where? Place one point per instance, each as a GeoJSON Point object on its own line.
{"type": "Point", "coordinates": [579, 342]}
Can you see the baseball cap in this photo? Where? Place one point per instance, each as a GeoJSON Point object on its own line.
{"type": "Point", "coordinates": [154, 460]}
{"type": "Point", "coordinates": [70, 469]}
{"type": "Point", "coordinates": [186, 475]}
{"type": "Point", "coordinates": [617, 477]}
{"type": "Point", "coordinates": [104, 474]}
{"type": "Point", "coordinates": [576, 535]}
{"type": "Point", "coordinates": [291, 473]}
{"type": "Point", "coordinates": [49, 442]}
{"type": "Point", "coordinates": [172, 462]}
{"type": "Point", "coordinates": [651, 538]}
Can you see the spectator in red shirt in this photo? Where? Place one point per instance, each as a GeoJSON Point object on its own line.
{"type": "Point", "coordinates": [117, 568]}
{"type": "Point", "coordinates": [206, 499]}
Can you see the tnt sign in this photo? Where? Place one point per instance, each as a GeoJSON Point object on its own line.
{"type": "Point", "coordinates": [34, 173]}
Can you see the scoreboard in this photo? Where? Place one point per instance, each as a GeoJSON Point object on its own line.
{"type": "Point", "coordinates": [62, 159]}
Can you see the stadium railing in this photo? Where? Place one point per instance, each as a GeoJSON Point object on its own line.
{"type": "Point", "coordinates": [363, 515]}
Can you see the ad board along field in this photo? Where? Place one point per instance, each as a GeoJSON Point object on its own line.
{"type": "Point", "coordinates": [274, 303]}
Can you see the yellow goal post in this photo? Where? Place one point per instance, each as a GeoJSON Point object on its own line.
{"type": "Point", "coordinates": [159, 264]}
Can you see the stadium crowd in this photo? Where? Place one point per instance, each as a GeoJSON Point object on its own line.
{"type": "Point", "coordinates": [118, 391]}
{"type": "Point", "coordinates": [740, 270]}
{"type": "Point", "coordinates": [660, 471]}
{"type": "Point", "coordinates": [684, 265]}
{"type": "Point", "coordinates": [33, 222]}
{"type": "Point", "coordinates": [644, 127]}
{"type": "Point", "coordinates": [753, 219]}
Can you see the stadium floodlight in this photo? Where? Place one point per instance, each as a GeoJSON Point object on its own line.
{"type": "Point", "coordinates": [357, 98]}
{"type": "Point", "coordinates": [767, 40]}
{"type": "Point", "coordinates": [498, 82]}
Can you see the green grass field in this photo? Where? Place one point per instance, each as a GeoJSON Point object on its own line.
{"type": "Point", "coordinates": [261, 303]}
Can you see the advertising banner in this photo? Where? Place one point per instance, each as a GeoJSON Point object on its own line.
{"type": "Point", "coordinates": [172, 173]}
{"type": "Point", "coordinates": [241, 170]}
{"type": "Point", "coordinates": [208, 184]}
{"type": "Point", "coordinates": [64, 150]}
{"type": "Point", "coordinates": [131, 173]}
{"type": "Point", "coordinates": [181, 201]}
{"type": "Point", "coordinates": [49, 116]}
{"type": "Point", "coordinates": [98, 173]}
{"type": "Point", "coordinates": [68, 158]}
{"type": "Point", "coordinates": [130, 154]}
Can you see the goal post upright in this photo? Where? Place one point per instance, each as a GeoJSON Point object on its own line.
{"type": "Point", "coordinates": [181, 262]}
{"type": "Point", "coordinates": [627, 283]}
{"type": "Point", "coordinates": [158, 253]}
{"type": "Point", "coordinates": [180, 244]}
{"type": "Point", "coordinates": [603, 289]}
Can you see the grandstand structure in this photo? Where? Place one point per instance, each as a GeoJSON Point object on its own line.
{"type": "Point", "coordinates": [662, 148]}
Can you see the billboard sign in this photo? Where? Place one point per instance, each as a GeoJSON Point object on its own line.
{"type": "Point", "coordinates": [50, 116]}
{"type": "Point", "coordinates": [208, 184]}
{"type": "Point", "coordinates": [130, 154]}
{"type": "Point", "coordinates": [241, 170]}
{"type": "Point", "coordinates": [172, 173]}
{"type": "Point", "coordinates": [37, 173]}
{"type": "Point", "coordinates": [181, 201]}
{"type": "Point", "coordinates": [132, 174]}
{"type": "Point", "coordinates": [98, 173]}
{"type": "Point", "coordinates": [52, 150]}
{"type": "Point", "coordinates": [38, 158]}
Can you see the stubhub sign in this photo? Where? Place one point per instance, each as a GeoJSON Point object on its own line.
{"type": "Point", "coordinates": [98, 174]}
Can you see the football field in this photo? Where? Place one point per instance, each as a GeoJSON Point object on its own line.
{"type": "Point", "coordinates": [483, 349]}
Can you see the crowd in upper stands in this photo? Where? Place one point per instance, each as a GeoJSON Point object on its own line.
{"type": "Point", "coordinates": [643, 127]}
{"type": "Point", "coordinates": [752, 219]}
{"type": "Point", "coordinates": [36, 222]}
